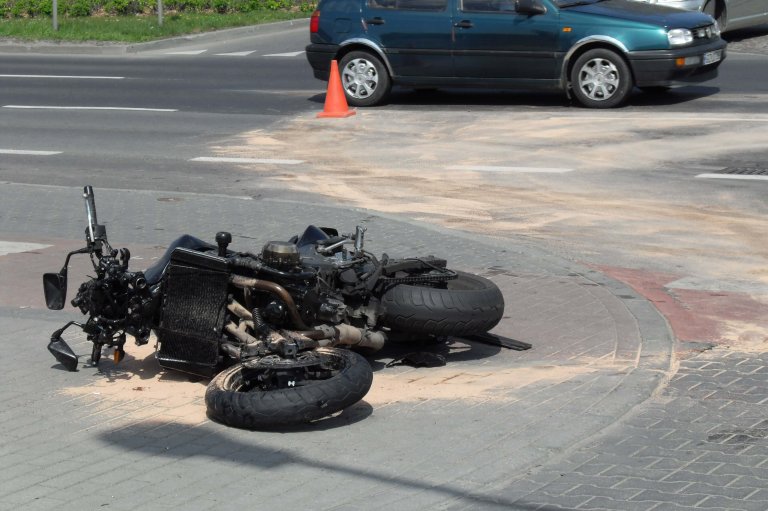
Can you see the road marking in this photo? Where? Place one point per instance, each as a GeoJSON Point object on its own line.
{"type": "Point", "coordinates": [236, 53]}
{"type": "Point", "coordinates": [32, 153]}
{"type": "Point", "coordinates": [129, 109]}
{"type": "Point", "coordinates": [733, 176]}
{"type": "Point", "coordinates": [290, 54]}
{"type": "Point", "coordinates": [66, 77]}
{"type": "Point", "coordinates": [676, 118]}
{"type": "Point", "coordinates": [187, 52]}
{"type": "Point", "coordinates": [491, 168]}
{"type": "Point", "coordinates": [13, 247]}
{"type": "Point", "coordinates": [216, 159]}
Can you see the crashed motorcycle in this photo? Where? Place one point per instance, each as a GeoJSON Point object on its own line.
{"type": "Point", "coordinates": [279, 332]}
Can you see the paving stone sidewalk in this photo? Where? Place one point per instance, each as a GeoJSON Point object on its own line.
{"type": "Point", "coordinates": [701, 444]}
{"type": "Point", "coordinates": [133, 437]}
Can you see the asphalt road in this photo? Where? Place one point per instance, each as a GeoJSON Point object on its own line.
{"type": "Point", "coordinates": [149, 113]}
{"type": "Point", "coordinates": [625, 200]}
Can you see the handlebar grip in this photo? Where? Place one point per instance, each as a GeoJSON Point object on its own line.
{"type": "Point", "coordinates": [90, 211]}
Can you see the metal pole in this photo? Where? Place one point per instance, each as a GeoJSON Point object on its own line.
{"type": "Point", "coordinates": [55, 15]}
{"type": "Point", "coordinates": [159, 13]}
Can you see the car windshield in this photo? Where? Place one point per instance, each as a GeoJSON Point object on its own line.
{"type": "Point", "coordinates": [573, 3]}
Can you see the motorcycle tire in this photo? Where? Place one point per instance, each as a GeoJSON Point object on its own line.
{"type": "Point", "coordinates": [233, 401]}
{"type": "Point", "coordinates": [469, 304]}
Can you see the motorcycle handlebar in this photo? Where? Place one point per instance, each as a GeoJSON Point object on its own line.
{"type": "Point", "coordinates": [90, 211]}
{"type": "Point", "coordinates": [96, 233]}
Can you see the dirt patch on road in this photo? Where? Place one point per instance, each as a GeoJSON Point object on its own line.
{"type": "Point", "coordinates": [138, 390]}
{"type": "Point", "coordinates": [416, 164]}
{"type": "Point", "coordinates": [470, 386]}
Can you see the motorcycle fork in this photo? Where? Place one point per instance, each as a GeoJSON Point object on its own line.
{"type": "Point", "coordinates": [98, 345]}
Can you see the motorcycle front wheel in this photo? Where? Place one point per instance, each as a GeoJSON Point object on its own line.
{"type": "Point", "coordinates": [266, 393]}
{"type": "Point", "coordinates": [467, 305]}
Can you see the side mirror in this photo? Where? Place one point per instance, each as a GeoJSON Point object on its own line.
{"type": "Point", "coordinates": [530, 7]}
{"type": "Point", "coordinates": [63, 353]}
{"type": "Point", "coordinates": [55, 289]}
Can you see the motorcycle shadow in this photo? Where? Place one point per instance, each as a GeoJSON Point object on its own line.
{"type": "Point", "coordinates": [452, 349]}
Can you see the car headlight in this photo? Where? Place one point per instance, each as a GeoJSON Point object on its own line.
{"type": "Point", "coordinates": [679, 37]}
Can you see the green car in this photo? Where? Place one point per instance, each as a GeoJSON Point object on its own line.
{"type": "Point", "coordinates": [594, 50]}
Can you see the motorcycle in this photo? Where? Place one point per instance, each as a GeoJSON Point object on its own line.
{"type": "Point", "coordinates": [280, 332]}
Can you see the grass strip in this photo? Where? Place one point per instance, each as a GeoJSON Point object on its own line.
{"type": "Point", "coordinates": [135, 29]}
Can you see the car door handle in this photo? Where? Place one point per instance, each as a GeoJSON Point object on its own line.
{"type": "Point", "coordinates": [375, 21]}
{"type": "Point", "coordinates": [463, 24]}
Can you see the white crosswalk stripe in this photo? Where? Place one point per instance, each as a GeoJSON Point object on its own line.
{"type": "Point", "coordinates": [236, 54]}
{"type": "Point", "coordinates": [245, 53]}
{"type": "Point", "coordinates": [188, 52]}
{"type": "Point", "coordinates": [289, 54]}
{"type": "Point", "coordinates": [28, 152]}
{"type": "Point", "coordinates": [15, 247]}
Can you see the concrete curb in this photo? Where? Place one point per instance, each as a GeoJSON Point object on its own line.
{"type": "Point", "coordinates": [107, 48]}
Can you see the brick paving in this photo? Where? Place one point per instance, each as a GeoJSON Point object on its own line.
{"type": "Point", "coordinates": [701, 444]}
{"type": "Point", "coordinates": [71, 441]}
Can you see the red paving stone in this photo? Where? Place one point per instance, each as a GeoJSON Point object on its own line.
{"type": "Point", "coordinates": [694, 315]}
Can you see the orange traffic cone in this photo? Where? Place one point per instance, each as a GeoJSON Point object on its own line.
{"type": "Point", "coordinates": [335, 101]}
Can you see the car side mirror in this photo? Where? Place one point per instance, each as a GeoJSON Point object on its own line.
{"type": "Point", "coordinates": [530, 7]}
{"type": "Point", "coordinates": [55, 288]}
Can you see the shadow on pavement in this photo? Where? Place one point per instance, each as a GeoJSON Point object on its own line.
{"type": "Point", "coordinates": [449, 99]}
{"type": "Point", "coordinates": [453, 349]}
{"type": "Point", "coordinates": [180, 442]}
{"type": "Point", "coordinates": [746, 33]}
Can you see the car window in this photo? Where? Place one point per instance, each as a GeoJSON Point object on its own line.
{"type": "Point", "coordinates": [409, 5]}
{"type": "Point", "coordinates": [488, 5]}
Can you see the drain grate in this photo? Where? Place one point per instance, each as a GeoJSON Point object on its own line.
{"type": "Point", "coordinates": [745, 171]}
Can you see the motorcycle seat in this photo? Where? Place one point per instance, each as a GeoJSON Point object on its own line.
{"type": "Point", "coordinates": [154, 273]}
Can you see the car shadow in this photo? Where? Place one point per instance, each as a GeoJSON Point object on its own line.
{"type": "Point", "coordinates": [449, 99]}
{"type": "Point", "coordinates": [743, 34]}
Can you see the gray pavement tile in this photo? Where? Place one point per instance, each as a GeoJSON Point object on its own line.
{"type": "Point", "coordinates": [692, 477]}
{"type": "Point", "coordinates": [596, 489]}
{"type": "Point", "coordinates": [720, 502]}
{"type": "Point", "coordinates": [660, 496]}
{"type": "Point", "coordinates": [601, 503]}
{"type": "Point", "coordinates": [392, 452]}
{"type": "Point", "coordinates": [639, 483]}
{"type": "Point", "coordinates": [734, 469]}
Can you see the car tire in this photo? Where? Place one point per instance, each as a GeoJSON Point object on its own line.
{"type": "Point", "coordinates": [364, 78]}
{"type": "Point", "coordinates": [711, 8]}
{"type": "Point", "coordinates": [601, 78]}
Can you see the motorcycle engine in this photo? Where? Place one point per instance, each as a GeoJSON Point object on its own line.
{"type": "Point", "coordinates": [281, 255]}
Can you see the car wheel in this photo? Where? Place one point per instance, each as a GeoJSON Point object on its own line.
{"type": "Point", "coordinates": [601, 79]}
{"type": "Point", "coordinates": [711, 9]}
{"type": "Point", "coordinates": [364, 78]}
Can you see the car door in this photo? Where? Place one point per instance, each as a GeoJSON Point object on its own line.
{"type": "Point", "coordinates": [414, 34]}
{"type": "Point", "coordinates": [742, 13]}
{"type": "Point", "coordinates": [493, 40]}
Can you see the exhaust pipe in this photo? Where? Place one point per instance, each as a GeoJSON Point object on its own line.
{"type": "Point", "coordinates": [352, 336]}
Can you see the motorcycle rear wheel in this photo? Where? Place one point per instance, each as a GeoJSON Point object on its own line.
{"type": "Point", "coordinates": [469, 304]}
{"type": "Point", "coordinates": [234, 401]}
